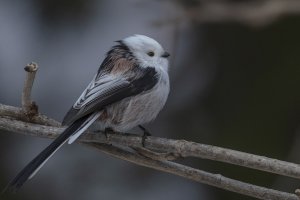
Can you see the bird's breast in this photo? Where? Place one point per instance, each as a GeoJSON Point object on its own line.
{"type": "Point", "coordinates": [147, 105]}
{"type": "Point", "coordinates": [141, 108]}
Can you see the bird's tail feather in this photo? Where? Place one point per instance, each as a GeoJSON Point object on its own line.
{"type": "Point", "coordinates": [32, 168]}
{"type": "Point", "coordinates": [93, 117]}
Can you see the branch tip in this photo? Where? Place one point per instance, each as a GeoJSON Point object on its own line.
{"type": "Point", "coordinates": [31, 67]}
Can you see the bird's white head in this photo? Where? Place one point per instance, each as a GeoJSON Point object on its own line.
{"type": "Point", "coordinates": [147, 51]}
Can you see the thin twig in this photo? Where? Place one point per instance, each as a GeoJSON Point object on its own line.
{"type": "Point", "coordinates": [29, 107]}
{"type": "Point", "coordinates": [155, 155]}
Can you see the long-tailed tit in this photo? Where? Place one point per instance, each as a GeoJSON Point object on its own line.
{"type": "Point", "coordinates": [129, 89]}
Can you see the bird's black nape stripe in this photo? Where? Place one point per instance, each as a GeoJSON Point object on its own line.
{"type": "Point", "coordinates": [23, 176]}
{"type": "Point", "coordinates": [118, 51]}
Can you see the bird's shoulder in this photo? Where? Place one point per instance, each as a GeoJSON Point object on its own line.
{"type": "Point", "coordinates": [118, 60]}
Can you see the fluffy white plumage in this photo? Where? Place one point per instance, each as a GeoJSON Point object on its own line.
{"type": "Point", "coordinates": [144, 107]}
{"type": "Point", "coordinates": [140, 45]}
{"type": "Point", "coordinates": [136, 110]}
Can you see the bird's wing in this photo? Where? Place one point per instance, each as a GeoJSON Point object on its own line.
{"type": "Point", "coordinates": [109, 88]}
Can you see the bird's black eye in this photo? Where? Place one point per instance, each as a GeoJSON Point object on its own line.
{"type": "Point", "coordinates": [150, 53]}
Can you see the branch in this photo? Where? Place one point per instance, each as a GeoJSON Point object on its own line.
{"type": "Point", "coordinates": [216, 180]}
{"type": "Point", "coordinates": [157, 153]}
{"type": "Point", "coordinates": [19, 114]}
{"type": "Point", "coordinates": [252, 13]}
{"type": "Point", "coordinates": [29, 107]}
{"type": "Point", "coordinates": [257, 13]}
{"type": "Point", "coordinates": [179, 148]}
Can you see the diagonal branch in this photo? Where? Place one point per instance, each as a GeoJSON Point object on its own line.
{"type": "Point", "coordinates": [254, 13]}
{"type": "Point", "coordinates": [98, 141]}
{"type": "Point", "coordinates": [250, 13]}
{"type": "Point", "coordinates": [180, 148]}
{"type": "Point", "coordinates": [197, 175]}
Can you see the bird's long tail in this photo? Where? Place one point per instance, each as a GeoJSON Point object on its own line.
{"type": "Point", "coordinates": [71, 133]}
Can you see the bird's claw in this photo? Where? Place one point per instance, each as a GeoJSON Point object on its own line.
{"type": "Point", "coordinates": [108, 131]}
{"type": "Point", "coordinates": [145, 135]}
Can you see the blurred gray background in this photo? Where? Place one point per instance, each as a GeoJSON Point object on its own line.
{"type": "Point", "coordinates": [235, 77]}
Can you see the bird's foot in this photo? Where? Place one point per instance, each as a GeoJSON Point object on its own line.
{"type": "Point", "coordinates": [108, 131]}
{"type": "Point", "coordinates": [145, 134]}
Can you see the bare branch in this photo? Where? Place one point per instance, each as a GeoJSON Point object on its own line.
{"type": "Point", "coordinates": [256, 13]}
{"type": "Point", "coordinates": [18, 113]}
{"type": "Point", "coordinates": [179, 148]}
{"type": "Point", "coordinates": [160, 144]}
{"type": "Point", "coordinates": [216, 180]}
{"type": "Point", "coordinates": [252, 13]}
{"type": "Point", "coordinates": [155, 155]}
{"type": "Point", "coordinates": [29, 107]}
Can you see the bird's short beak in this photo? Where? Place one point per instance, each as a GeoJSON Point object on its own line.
{"type": "Point", "coordinates": [165, 54]}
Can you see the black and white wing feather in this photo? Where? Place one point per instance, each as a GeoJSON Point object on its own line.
{"type": "Point", "coordinates": [106, 90]}
{"type": "Point", "coordinates": [109, 89]}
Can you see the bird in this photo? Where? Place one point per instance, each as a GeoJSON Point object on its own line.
{"type": "Point", "coordinates": [129, 89]}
